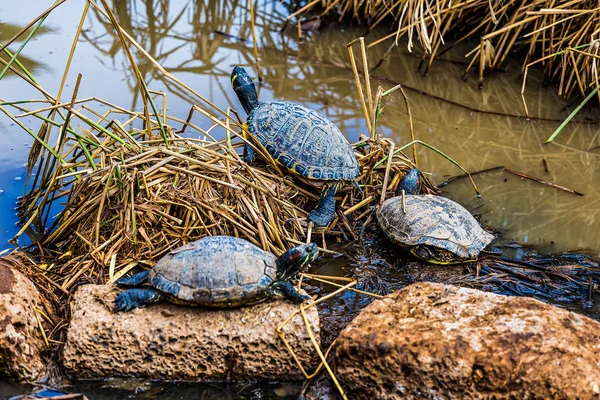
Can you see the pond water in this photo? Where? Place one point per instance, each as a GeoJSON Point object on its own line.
{"type": "Point", "coordinates": [199, 42]}
{"type": "Point", "coordinates": [124, 389]}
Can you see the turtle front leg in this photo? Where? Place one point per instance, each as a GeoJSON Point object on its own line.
{"type": "Point", "coordinates": [325, 211]}
{"type": "Point", "coordinates": [134, 280]}
{"type": "Point", "coordinates": [249, 152]}
{"type": "Point", "coordinates": [136, 298]}
{"type": "Point", "coordinates": [287, 290]}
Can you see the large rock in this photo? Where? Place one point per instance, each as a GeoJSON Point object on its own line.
{"type": "Point", "coordinates": [20, 337]}
{"type": "Point", "coordinates": [166, 341]}
{"type": "Point", "coordinates": [440, 342]}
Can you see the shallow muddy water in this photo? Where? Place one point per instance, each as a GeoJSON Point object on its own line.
{"type": "Point", "coordinates": [199, 42]}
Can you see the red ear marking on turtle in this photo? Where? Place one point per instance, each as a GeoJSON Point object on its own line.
{"type": "Point", "coordinates": [294, 256]}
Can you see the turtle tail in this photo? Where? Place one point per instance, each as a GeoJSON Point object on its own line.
{"type": "Point", "coordinates": [244, 88]}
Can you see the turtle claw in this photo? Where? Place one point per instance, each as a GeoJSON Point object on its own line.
{"type": "Point", "coordinates": [122, 302]}
{"type": "Point", "coordinates": [299, 298]}
{"type": "Point", "coordinates": [135, 298]}
{"type": "Point", "coordinates": [325, 211]}
{"type": "Point", "coordinates": [305, 297]}
{"type": "Point", "coordinates": [285, 289]}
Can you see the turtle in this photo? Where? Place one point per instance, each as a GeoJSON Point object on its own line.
{"type": "Point", "coordinates": [218, 272]}
{"type": "Point", "coordinates": [300, 139]}
{"type": "Point", "coordinates": [434, 228]}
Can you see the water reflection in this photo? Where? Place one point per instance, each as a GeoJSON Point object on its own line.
{"type": "Point", "coordinates": [7, 31]}
{"type": "Point", "coordinates": [525, 211]}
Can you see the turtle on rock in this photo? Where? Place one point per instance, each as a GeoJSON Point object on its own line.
{"type": "Point", "coordinates": [434, 228]}
{"type": "Point", "coordinates": [218, 272]}
{"type": "Point", "coordinates": [301, 139]}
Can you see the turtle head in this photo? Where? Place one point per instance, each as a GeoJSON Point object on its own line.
{"type": "Point", "coordinates": [244, 87]}
{"type": "Point", "coordinates": [410, 183]}
{"type": "Point", "coordinates": [436, 255]}
{"type": "Point", "coordinates": [296, 260]}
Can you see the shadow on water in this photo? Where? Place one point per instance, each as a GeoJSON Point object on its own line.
{"type": "Point", "coordinates": [124, 389]}
{"type": "Point", "coordinates": [199, 42]}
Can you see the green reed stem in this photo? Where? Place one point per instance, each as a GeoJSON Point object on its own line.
{"type": "Point", "coordinates": [400, 149]}
{"type": "Point", "coordinates": [33, 135]}
{"type": "Point", "coordinates": [13, 58]}
{"type": "Point", "coordinates": [573, 114]}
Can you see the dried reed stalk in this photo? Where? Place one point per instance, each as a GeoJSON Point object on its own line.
{"type": "Point", "coordinates": [561, 35]}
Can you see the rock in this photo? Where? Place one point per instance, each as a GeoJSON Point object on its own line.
{"type": "Point", "coordinates": [438, 341]}
{"type": "Point", "coordinates": [167, 341]}
{"type": "Point", "coordinates": [20, 337]}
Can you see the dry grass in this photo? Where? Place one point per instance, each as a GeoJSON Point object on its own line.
{"type": "Point", "coordinates": [145, 197]}
{"type": "Point", "coordinates": [119, 189]}
{"type": "Point", "coordinates": [561, 36]}
{"type": "Point", "coordinates": [134, 195]}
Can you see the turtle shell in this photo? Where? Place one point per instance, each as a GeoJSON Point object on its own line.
{"type": "Point", "coordinates": [433, 221]}
{"type": "Point", "coordinates": [215, 271]}
{"type": "Point", "coordinates": [303, 140]}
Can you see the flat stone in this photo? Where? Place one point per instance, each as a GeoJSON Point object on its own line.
{"type": "Point", "coordinates": [167, 341]}
{"type": "Point", "coordinates": [439, 341]}
{"type": "Point", "coordinates": [20, 337]}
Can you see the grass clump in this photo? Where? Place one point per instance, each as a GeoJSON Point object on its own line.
{"type": "Point", "coordinates": [561, 36]}
{"type": "Point", "coordinates": [145, 198]}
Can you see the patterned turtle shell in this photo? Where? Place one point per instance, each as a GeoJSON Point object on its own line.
{"type": "Point", "coordinates": [303, 140]}
{"type": "Point", "coordinates": [215, 271]}
{"type": "Point", "coordinates": [433, 221]}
